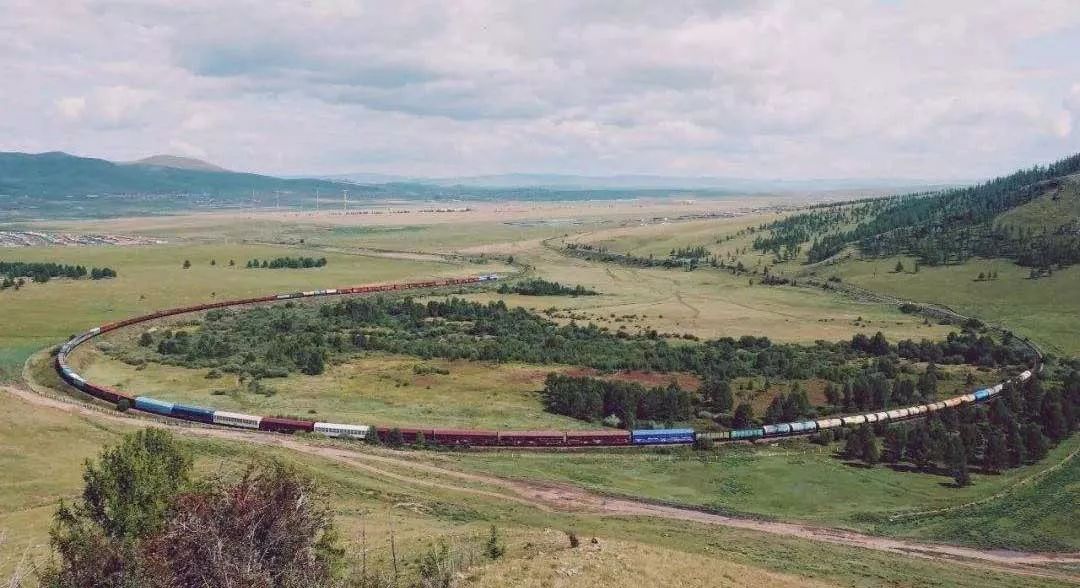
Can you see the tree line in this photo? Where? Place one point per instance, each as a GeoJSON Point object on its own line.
{"type": "Point", "coordinates": [286, 263]}
{"type": "Point", "coordinates": [615, 403]}
{"type": "Point", "coordinates": [41, 272]}
{"type": "Point", "coordinates": [541, 287]}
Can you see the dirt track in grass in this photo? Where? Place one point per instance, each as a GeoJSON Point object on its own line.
{"type": "Point", "coordinates": [568, 498]}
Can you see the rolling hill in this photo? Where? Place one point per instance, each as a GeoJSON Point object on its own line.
{"type": "Point", "coordinates": [177, 162]}
{"type": "Point", "coordinates": [60, 175]}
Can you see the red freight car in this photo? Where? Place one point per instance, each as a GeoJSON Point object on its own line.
{"type": "Point", "coordinates": [465, 437]}
{"type": "Point", "coordinates": [105, 393]}
{"type": "Point", "coordinates": [408, 436]}
{"type": "Point", "coordinates": [597, 438]}
{"type": "Point", "coordinates": [532, 438]}
{"type": "Point", "coordinates": [282, 425]}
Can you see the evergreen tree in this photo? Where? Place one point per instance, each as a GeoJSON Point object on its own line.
{"type": "Point", "coordinates": [718, 393]}
{"type": "Point", "coordinates": [956, 458]}
{"type": "Point", "coordinates": [1014, 441]}
{"type": "Point", "coordinates": [918, 447]}
{"type": "Point", "coordinates": [744, 415]}
{"type": "Point", "coordinates": [1035, 442]}
{"type": "Point", "coordinates": [996, 454]}
{"type": "Point", "coordinates": [895, 442]}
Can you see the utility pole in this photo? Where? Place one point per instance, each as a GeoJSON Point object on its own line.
{"type": "Point", "coordinates": [253, 198]}
{"type": "Point", "coordinates": [316, 200]}
{"type": "Point", "coordinates": [345, 201]}
{"type": "Point", "coordinates": [277, 199]}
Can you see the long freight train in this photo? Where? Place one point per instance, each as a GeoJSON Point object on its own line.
{"type": "Point", "coordinates": [456, 437]}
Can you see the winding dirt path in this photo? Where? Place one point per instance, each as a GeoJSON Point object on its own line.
{"type": "Point", "coordinates": [550, 497]}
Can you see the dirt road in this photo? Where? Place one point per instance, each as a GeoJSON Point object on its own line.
{"type": "Point", "coordinates": [567, 498]}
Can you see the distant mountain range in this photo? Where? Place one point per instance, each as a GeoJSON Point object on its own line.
{"type": "Point", "coordinates": [59, 184]}
{"type": "Point", "coordinates": [643, 182]}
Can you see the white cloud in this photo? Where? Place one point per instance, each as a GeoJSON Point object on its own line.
{"type": "Point", "coordinates": [71, 107]}
{"type": "Point", "coordinates": [784, 88]}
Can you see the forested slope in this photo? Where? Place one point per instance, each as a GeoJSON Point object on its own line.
{"type": "Point", "coordinates": [944, 227]}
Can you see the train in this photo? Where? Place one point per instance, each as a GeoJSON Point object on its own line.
{"type": "Point", "coordinates": [464, 437]}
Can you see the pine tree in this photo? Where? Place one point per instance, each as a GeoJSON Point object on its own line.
{"type": "Point", "coordinates": [918, 446]}
{"type": "Point", "coordinates": [956, 458]}
{"type": "Point", "coordinates": [744, 414]}
{"type": "Point", "coordinates": [1035, 442]}
{"type": "Point", "coordinates": [996, 454]}
{"type": "Point", "coordinates": [895, 441]}
{"type": "Point", "coordinates": [1014, 442]}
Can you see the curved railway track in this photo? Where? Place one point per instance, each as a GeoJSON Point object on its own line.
{"type": "Point", "coordinates": [466, 437]}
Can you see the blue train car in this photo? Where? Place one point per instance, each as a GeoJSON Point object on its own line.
{"type": "Point", "coordinates": [153, 405]}
{"type": "Point", "coordinates": [982, 394]}
{"type": "Point", "coordinates": [661, 436]}
{"type": "Point", "coordinates": [193, 413]}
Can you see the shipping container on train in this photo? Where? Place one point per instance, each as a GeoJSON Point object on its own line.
{"type": "Point", "coordinates": [464, 437]}
{"type": "Point", "coordinates": [661, 436]}
{"type": "Point", "coordinates": [532, 438]}
{"type": "Point", "coordinates": [596, 438]}
{"type": "Point", "coordinates": [286, 425]}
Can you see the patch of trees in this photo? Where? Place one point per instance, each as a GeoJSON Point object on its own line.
{"type": "Point", "coordinates": [1019, 426]}
{"type": "Point", "coordinates": [42, 272]}
{"type": "Point", "coordinates": [620, 404]}
{"type": "Point", "coordinates": [688, 258]}
{"type": "Point", "coordinates": [866, 373]}
{"type": "Point", "coordinates": [286, 263]}
{"type": "Point", "coordinates": [541, 287]}
{"type": "Point", "coordinates": [275, 340]}
{"type": "Point", "coordinates": [144, 520]}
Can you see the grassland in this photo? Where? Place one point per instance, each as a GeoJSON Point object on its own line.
{"type": "Point", "coordinates": [151, 277]}
{"type": "Point", "coordinates": [377, 388]}
{"type": "Point", "coordinates": [797, 480]}
{"type": "Point", "coordinates": [708, 303]}
{"type": "Point", "coordinates": [1046, 309]}
{"type": "Point", "coordinates": [424, 507]}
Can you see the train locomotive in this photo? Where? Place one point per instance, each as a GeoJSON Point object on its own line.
{"type": "Point", "coordinates": [458, 437]}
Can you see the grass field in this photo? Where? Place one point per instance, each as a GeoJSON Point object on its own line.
{"type": "Point", "coordinates": [376, 389]}
{"type": "Point", "coordinates": [1046, 309]}
{"type": "Point", "coordinates": [151, 277]}
{"type": "Point", "coordinates": [709, 303]}
{"type": "Point", "coordinates": [796, 480]}
{"type": "Point", "coordinates": [373, 502]}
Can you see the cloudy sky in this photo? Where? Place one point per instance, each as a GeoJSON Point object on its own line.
{"type": "Point", "coordinates": [824, 89]}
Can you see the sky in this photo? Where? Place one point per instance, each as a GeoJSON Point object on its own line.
{"type": "Point", "coordinates": [927, 90]}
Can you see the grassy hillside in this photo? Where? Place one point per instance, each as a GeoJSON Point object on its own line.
{"type": "Point", "coordinates": [1058, 206]}
{"type": "Point", "coordinates": [1046, 309]}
